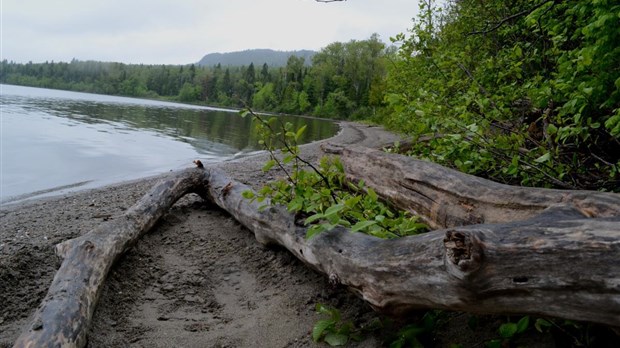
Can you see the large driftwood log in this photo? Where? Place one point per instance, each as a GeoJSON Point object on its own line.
{"type": "Point", "coordinates": [446, 198]}
{"type": "Point", "coordinates": [63, 318]}
{"type": "Point", "coordinates": [556, 261]}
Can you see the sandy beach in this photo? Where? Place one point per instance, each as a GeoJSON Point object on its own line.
{"type": "Point", "coordinates": [198, 279]}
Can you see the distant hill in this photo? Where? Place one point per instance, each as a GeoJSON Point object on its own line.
{"type": "Point", "coordinates": [256, 56]}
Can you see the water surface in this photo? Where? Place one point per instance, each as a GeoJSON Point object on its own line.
{"type": "Point", "coordinates": [53, 141]}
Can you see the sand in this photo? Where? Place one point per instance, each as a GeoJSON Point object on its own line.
{"type": "Point", "coordinates": [198, 279]}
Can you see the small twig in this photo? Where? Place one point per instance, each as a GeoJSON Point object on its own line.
{"type": "Point", "coordinates": [600, 159]}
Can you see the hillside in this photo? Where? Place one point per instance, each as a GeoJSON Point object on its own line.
{"type": "Point", "coordinates": [257, 56]}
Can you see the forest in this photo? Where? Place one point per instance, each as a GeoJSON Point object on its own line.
{"type": "Point", "coordinates": [339, 83]}
{"type": "Point", "coordinates": [522, 92]}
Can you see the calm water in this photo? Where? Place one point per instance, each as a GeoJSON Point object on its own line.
{"type": "Point", "coordinates": [55, 141]}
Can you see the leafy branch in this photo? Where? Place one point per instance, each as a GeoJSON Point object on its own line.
{"type": "Point", "coordinates": [511, 17]}
{"type": "Point", "coordinates": [320, 197]}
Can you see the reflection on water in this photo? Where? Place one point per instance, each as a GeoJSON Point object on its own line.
{"type": "Point", "coordinates": [54, 139]}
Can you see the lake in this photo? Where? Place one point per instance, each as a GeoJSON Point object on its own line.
{"type": "Point", "coordinates": [54, 141]}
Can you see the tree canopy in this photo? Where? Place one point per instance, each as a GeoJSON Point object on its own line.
{"type": "Point", "coordinates": [521, 91]}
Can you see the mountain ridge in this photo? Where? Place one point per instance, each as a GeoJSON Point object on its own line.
{"type": "Point", "coordinates": [259, 56]}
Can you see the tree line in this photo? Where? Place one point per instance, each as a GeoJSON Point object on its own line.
{"type": "Point", "coordinates": [343, 81]}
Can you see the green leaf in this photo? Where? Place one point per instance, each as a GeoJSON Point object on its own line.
{"type": "Point", "coordinates": [268, 165]}
{"type": "Point", "coordinates": [288, 159]}
{"type": "Point", "coordinates": [399, 343]}
{"type": "Point", "coordinates": [362, 225]}
{"type": "Point", "coordinates": [295, 205]}
{"type": "Point", "coordinates": [314, 218]}
{"type": "Point", "coordinates": [322, 309]}
{"type": "Point", "coordinates": [523, 323]}
{"type": "Point", "coordinates": [320, 327]}
{"type": "Point", "coordinates": [244, 112]}
{"type": "Point", "coordinates": [518, 52]}
{"type": "Point", "coordinates": [544, 158]}
{"type": "Point", "coordinates": [300, 132]}
{"type": "Point", "coordinates": [540, 323]}
{"type": "Point", "coordinates": [336, 339]}
{"type": "Point", "coordinates": [248, 194]}
{"type": "Point", "coordinates": [351, 202]}
{"type": "Point", "coordinates": [372, 194]}
{"type": "Point", "coordinates": [508, 330]}
{"type": "Point", "coordinates": [334, 209]}
{"type": "Point", "coordinates": [314, 230]}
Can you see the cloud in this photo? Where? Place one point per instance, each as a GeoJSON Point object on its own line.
{"type": "Point", "coordinates": [168, 32]}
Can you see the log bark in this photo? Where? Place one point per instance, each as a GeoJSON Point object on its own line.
{"type": "Point", "coordinates": [558, 263]}
{"type": "Point", "coordinates": [64, 315]}
{"type": "Point", "coordinates": [447, 198]}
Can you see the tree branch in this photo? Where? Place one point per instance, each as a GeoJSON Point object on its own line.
{"type": "Point", "coordinates": [511, 17]}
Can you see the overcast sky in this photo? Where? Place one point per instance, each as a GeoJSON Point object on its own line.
{"type": "Point", "coordinates": [183, 31]}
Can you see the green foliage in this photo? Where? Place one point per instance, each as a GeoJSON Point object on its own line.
{"type": "Point", "coordinates": [319, 195]}
{"type": "Point", "coordinates": [523, 92]}
{"type": "Point", "coordinates": [509, 330]}
{"type": "Point", "coordinates": [408, 336]}
{"type": "Point", "coordinates": [333, 330]}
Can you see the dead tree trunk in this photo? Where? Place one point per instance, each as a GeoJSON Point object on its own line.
{"type": "Point", "coordinates": [543, 252]}
{"type": "Point", "coordinates": [558, 263]}
{"type": "Point", "coordinates": [63, 318]}
{"type": "Point", "coordinates": [446, 198]}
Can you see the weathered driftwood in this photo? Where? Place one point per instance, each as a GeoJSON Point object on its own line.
{"type": "Point", "coordinates": [558, 263]}
{"type": "Point", "coordinates": [530, 256]}
{"type": "Point", "coordinates": [448, 198]}
{"type": "Point", "coordinates": [63, 318]}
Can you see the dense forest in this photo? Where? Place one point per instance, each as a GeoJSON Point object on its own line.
{"type": "Point", "coordinates": [521, 91]}
{"type": "Point", "coordinates": [339, 83]}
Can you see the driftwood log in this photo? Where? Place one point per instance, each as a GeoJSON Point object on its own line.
{"type": "Point", "coordinates": [444, 198]}
{"type": "Point", "coordinates": [64, 315]}
{"type": "Point", "coordinates": [502, 249]}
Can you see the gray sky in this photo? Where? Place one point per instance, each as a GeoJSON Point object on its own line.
{"type": "Point", "coordinates": [182, 31]}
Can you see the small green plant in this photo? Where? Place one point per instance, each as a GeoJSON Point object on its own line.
{"type": "Point", "coordinates": [332, 330]}
{"type": "Point", "coordinates": [408, 336]}
{"type": "Point", "coordinates": [508, 331]}
{"type": "Point", "coordinates": [319, 196]}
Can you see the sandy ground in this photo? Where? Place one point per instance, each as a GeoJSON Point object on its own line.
{"type": "Point", "coordinates": [198, 279]}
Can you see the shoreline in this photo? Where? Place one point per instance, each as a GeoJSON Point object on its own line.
{"type": "Point", "coordinates": [198, 276]}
